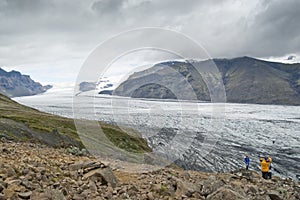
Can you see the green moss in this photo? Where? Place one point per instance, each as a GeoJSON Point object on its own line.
{"type": "Point", "coordinates": [41, 123]}
{"type": "Point", "coordinates": [125, 141]}
{"type": "Point", "coordinates": [163, 188]}
{"type": "Point", "coordinates": [54, 179]}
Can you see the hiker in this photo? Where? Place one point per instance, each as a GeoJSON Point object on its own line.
{"type": "Point", "coordinates": [269, 160]}
{"type": "Point", "coordinates": [270, 170]}
{"type": "Point", "coordinates": [264, 167]}
{"type": "Point", "coordinates": [247, 162]}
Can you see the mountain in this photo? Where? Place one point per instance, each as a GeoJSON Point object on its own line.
{"type": "Point", "coordinates": [87, 86]}
{"type": "Point", "coordinates": [102, 85]}
{"type": "Point", "coordinates": [14, 84]}
{"type": "Point", "coordinates": [246, 80]}
{"type": "Point", "coordinates": [21, 123]}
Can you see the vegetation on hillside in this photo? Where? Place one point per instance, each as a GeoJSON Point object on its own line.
{"type": "Point", "coordinates": [21, 123]}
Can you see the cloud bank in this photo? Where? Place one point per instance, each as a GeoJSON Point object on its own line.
{"type": "Point", "coordinates": [51, 39]}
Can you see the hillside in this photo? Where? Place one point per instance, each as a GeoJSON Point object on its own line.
{"type": "Point", "coordinates": [14, 84]}
{"type": "Point", "coordinates": [21, 123]}
{"type": "Point", "coordinates": [246, 80]}
{"type": "Point", "coordinates": [32, 171]}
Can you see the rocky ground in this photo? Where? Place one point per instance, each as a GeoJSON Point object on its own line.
{"type": "Point", "coordinates": [34, 171]}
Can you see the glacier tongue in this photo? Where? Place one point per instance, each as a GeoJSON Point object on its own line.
{"type": "Point", "coordinates": [189, 133]}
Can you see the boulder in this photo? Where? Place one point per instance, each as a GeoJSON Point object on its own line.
{"type": "Point", "coordinates": [9, 193]}
{"type": "Point", "coordinates": [253, 189]}
{"type": "Point", "coordinates": [184, 188]}
{"type": "Point", "coordinates": [105, 174]}
{"type": "Point", "coordinates": [224, 193]}
{"type": "Point", "coordinates": [84, 165]}
{"type": "Point", "coordinates": [25, 195]}
{"type": "Point", "coordinates": [57, 195]}
{"type": "Point", "coordinates": [209, 186]}
{"type": "Point", "coordinates": [10, 172]}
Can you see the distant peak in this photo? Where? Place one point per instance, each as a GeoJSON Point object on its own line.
{"type": "Point", "coordinates": [15, 84]}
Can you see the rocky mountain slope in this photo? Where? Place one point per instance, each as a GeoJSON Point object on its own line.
{"type": "Point", "coordinates": [246, 80]}
{"type": "Point", "coordinates": [38, 172]}
{"type": "Point", "coordinates": [21, 123]}
{"type": "Point", "coordinates": [14, 84]}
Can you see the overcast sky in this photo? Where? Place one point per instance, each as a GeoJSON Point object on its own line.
{"type": "Point", "coordinates": [50, 39]}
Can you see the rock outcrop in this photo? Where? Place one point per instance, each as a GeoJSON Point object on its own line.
{"type": "Point", "coordinates": [14, 84]}
{"type": "Point", "coordinates": [87, 86]}
{"type": "Point", "coordinates": [34, 171]}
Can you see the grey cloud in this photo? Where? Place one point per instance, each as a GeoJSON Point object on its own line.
{"type": "Point", "coordinates": [34, 31]}
{"type": "Point", "coordinates": [277, 29]}
{"type": "Point", "coordinates": [107, 6]}
{"type": "Point", "coordinates": [17, 7]}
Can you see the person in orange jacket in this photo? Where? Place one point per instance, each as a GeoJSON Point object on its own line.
{"type": "Point", "coordinates": [264, 164]}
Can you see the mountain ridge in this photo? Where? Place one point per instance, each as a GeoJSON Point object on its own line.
{"type": "Point", "coordinates": [245, 79]}
{"type": "Point", "coordinates": [15, 84]}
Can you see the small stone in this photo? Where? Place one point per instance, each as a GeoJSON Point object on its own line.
{"type": "Point", "coordinates": [74, 175]}
{"type": "Point", "coordinates": [244, 181]}
{"type": "Point", "coordinates": [25, 171]}
{"type": "Point", "coordinates": [1, 187]}
{"type": "Point", "coordinates": [85, 186]}
{"type": "Point", "coordinates": [86, 193]}
{"type": "Point", "coordinates": [4, 184]}
{"type": "Point", "coordinates": [144, 196]}
{"type": "Point", "coordinates": [77, 197]}
{"type": "Point", "coordinates": [11, 172]}
{"type": "Point", "coordinates": [274, 195]}
{"type": "Point", "coordinates": [186, 175]}
{"type": "Point", "coordinates": [103, 165]}
{"type": "Point", "coordinates": [211, 178]}
{"type": "Point", "coordinates": [38, 176]}
{"type": "Point", "coordinates": [44, 178]}
{"type": "Point", "coordinates": [5, 150]}
{"type": "Point", "coordinates": [65, 191]}
{"type": "Point", "coordinates": [57, 195]}
{"type": "Point", "coordinates": [41, 170]}
{"type": "Point", "coordinates": [66, 173]}
{"type": "Point", "coordinates": [150, 196]}
{"type": "Point", "coordinates": [253, 189]}
{"type": "Point", "coordinates": [14, 182]}
{"type": "Point", "coordinates": [56, 184]}
{"type": "Point", "coordinates": [25, 195]}
{"type": "Point", "coordinates": [92, 186]}
{"type": "Point", "coordinates": [76, 166]}
{"type": "Point", "coordinates": [2, 197]}
{"type": "Point", "coordinates": [109, 192]}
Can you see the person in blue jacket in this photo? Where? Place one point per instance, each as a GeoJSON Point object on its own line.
{"type": "Point", "coordinates": [247, 162]}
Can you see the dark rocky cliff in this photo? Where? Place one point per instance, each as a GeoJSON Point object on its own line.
{"type": "Point", "coordinates": [14, 84]}
{"type": "Point", "coordinates": [245, 79]}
